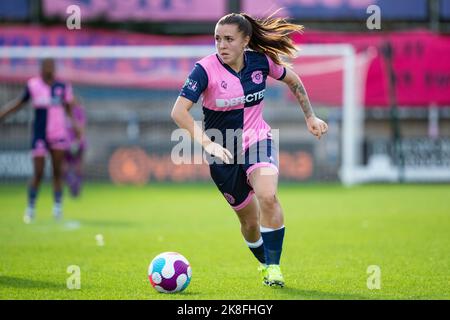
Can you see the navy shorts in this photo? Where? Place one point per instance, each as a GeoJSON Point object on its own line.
{"type": "Point", "coordinates": [232, 179]}
{"type": "Point", "coordinates": [41, 143]}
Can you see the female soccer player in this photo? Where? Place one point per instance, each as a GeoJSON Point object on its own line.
{"type": "Point", "coordinates": [232, 82]}
{"type": "Point", "coordinates": [50, 99]}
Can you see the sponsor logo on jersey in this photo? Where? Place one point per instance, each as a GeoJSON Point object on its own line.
{"type": "Point", "coordinates": [251, 97]}
{"type": "Point", "coordinates": [224, 85]}
{"type": "Point", "coordinates": [191, 84]}
{"type": "Point", "coordinates": [42, 101]}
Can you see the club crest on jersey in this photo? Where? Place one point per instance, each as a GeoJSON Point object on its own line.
{"type": "Point", "coordinates": [58, 91]}
{"type": "Point", "coordinates": [191, 84]}
{"type": "Point", "coordinates": [257, 77]}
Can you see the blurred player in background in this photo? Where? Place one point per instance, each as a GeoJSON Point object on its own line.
{"type": "Point", "coordinates": [232, 82]}
{"type": "Point", "coordinates": [50, 99]}
{"type": "Point", "coordinates": [73, 169]}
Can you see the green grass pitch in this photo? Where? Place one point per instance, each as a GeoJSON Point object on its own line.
{"type": "Point", "coordinates": [333, 234]}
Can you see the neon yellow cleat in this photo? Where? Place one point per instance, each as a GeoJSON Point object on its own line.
{"type": "Point", "coordinates": [263, 270]}
{"type": "Point", "coordinates": [274, 276]}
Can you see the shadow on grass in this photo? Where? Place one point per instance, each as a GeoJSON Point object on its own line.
{"type": "Point", "coordinates": [298, 294]}
{"type": "Point", "coordinates": [186, 295]}
{"type": "Point", "coordinates": [107, 223]}
{"type": "Point", "coordinates": [14, 282]}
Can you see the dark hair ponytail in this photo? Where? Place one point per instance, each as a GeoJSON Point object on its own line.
{"type": "Point", "coordinates": [269, 36]}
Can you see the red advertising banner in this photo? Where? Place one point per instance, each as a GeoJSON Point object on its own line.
{"type": "Point", "coordinates": [420, 60]}
{"type": "Point", "coordinates": [144, 72]}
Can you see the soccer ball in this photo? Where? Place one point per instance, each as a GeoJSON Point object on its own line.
{"type": "Point", "coordinates": [169, 272]}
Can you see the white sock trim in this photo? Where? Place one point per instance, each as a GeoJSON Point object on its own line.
{"type": "Point", "coordinates": [264, 229]}
{"type": "Point", "coordinates": [254, 244]}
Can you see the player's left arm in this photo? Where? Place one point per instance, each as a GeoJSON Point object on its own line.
{"type": "Point", "coordinates": [315, 125]}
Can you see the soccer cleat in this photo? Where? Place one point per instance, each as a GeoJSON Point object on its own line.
{"type": "Point", "coordinates": [29, 215]}
{"type": "Point", "coordinates": [274, 276]}
{"type": "Point", "coordinates": [263, 270]}
{"type": "Point", "coordinates": [57, 212]}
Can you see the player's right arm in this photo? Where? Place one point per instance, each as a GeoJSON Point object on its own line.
{"type": "Point", "coordinates": [14, 105]}
{"type": "Point", "coordinates": [180, 114]}
{"type": "Point", "coordinates": [195, 85]}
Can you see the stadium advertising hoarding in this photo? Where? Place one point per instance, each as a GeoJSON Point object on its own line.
{"type": "Point", "coordinates": [115, 11]}
{"type": "Point", "coordinates": [15, 9]}
{"type": "Point", "coordinates": [338, 9]}
{"type": "Point", "coordinates": [445, 9]}
{"type": "Point", "coordinates": [421, 66]}
{"type": "Point", "coordinates": [139, 165]}
{"type": "Point", "coordinates": [198, 10]}
{"type": "Point", "coordinates": [420, 61]}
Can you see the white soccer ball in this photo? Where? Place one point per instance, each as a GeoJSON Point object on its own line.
{"type": "Point", "coordinates": [169, 272]}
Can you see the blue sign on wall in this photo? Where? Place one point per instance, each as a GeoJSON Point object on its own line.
{"type": "Point", "coordinates": [445, 9]}
{"type": "Point", "coordinates": [15, 9]}
{"type": "Point", "coordinates": [342, 9]}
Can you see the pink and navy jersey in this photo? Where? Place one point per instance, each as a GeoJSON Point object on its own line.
{"type": "Point", "coordinates": [233, 100]}
{"type": "Point", "coordinates": [48, 103]}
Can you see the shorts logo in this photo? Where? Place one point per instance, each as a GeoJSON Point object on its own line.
{"type": "Point", "coordinates": [229, 198]}
{"type": "Point", "coordinates": [257, 77]}
{"type": "Point", "coordinates": [40, 144]}
{"type": "Point", "coordinates": [191, 84]}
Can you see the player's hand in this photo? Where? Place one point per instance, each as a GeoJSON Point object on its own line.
{"type": "Point", "coordinates": [78, 132]}
{"type": "Point", "coordinates": [216, 150]}
{"type": "Point", "coordinates": [316, 126]}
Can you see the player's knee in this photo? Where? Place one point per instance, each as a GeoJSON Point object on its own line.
{"type": "Point", "coordinates": [57, 175]}
{"type": "Point", "coordinates": [250, 225]}
{"type": "Point", "coordinates": [57, 172]}
{"type": "Point", "coordinates": [38, 176]}
{"type": "Point", "coordinates": [274, 221]}
{"type": "Point", "coordinates": [268, 200]}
